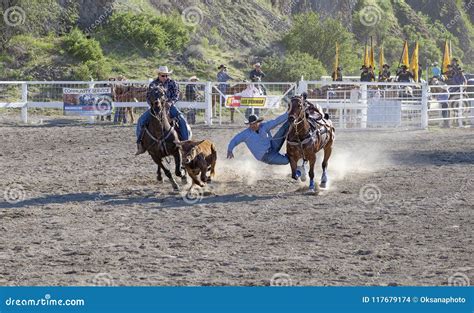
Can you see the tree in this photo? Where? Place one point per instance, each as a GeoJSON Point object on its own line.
{"type": "Point", "coordinates": [291, 67]}
{"type": "Point", "coordinates": [309, 34]}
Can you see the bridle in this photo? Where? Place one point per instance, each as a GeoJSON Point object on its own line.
{"type": "Point", "coordinates": [301, 117]}
{"type": "Point", "coordinates": [160, 116]}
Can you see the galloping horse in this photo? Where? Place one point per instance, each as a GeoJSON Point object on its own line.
{"type": "Point", "coordinates": [160, 139]}
{"type": "Point", "coordinates": [303, 142]}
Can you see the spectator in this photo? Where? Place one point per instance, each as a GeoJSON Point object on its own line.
{"type": "Point", "coordinates": [436, 70]}
{"type": "Point", "coordinates": [192, 90]}
{"type": "Point", "coordinates": [385, 74]}
{"type": "Point", "coordinates": [256, 75]}
{"type": "Point", "coordinates": [367, 74]}
{"type": "Point", "coordinates": [223, 78]}
{"type": "Point", "coordinates": [404, 76]}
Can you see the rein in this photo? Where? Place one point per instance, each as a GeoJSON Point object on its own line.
{"type": "Point", "coordinates": [310, 138]}
{"type": "Point", "coordinates": [165, 133]}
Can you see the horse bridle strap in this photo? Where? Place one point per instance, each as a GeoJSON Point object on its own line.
{"type": "Point", "coordinates": [156, 140]}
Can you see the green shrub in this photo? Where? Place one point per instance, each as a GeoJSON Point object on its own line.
{"type": "Point", "coordinates": [291, 67]}
{"type": "Point", "coordinates": [311, 35]}
{"type": "Point", "coordinates": [77, 44]}
{"type": "Point", "coordinates": [159, 33]}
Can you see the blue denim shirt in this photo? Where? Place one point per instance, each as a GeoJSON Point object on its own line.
{"type": "Point", "coordinates": [257, 142]}
{"type": "Point", "coordinates": [172, 90]}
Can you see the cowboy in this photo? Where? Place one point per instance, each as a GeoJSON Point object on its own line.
{"type": "Point", "coordinates": [339, 75]}
{"type": "Point", "coordinates": [192, 92]}
{"type": "Point", "coordinates": [259, 140]}
{"type": "Point", "coordinates": [172, 95]}
{"type": "Point", "coordinates": [367, 74]}
{"type": "Point", "coordinates": [455, 64]}
{"type": "Point", "coordinates": [448, 75]}
{"type": "Point", "coordinates": [256, 75]}
{"type": "Point", "coordinates": [404, 76]}
{"type": "Point", "coordinates": [385, 73]}
{"type": "Point", "coordinates": [223, 77]}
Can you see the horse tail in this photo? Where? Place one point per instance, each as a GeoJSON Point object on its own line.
{"type": "Point", "coordinates": [214, 159]}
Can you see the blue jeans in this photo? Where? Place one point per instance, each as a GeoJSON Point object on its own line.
{"type": "Point", "coordinates": [174, 113]}
{"type": "Point", "coordinates": [273, 155]}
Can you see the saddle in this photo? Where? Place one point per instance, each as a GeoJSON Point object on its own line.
{"type": "Point", "coordinates": [318, 122]}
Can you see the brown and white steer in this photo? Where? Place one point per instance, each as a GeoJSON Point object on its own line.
{"type": "Point", "coordinates": [199, 157]}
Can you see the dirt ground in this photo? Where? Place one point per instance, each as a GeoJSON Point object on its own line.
{"type": "Point", "coordinates": [77, 208]}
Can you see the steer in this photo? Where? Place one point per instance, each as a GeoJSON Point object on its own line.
{"type": "Point", "coordinates": [198, 158]}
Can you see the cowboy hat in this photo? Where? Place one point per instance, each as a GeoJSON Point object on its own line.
{"type": "Point", "coordinates": [386, 65]}
{"type": "Point", "coordinates": [257, 64]}
{"type": "Point", "coordinates": [193, 78]}
{"type": "Point", "coordinates": [221, 67]}
{"type": "Point", "coordinates": [403, 66]}
{"type": "Point", "coordinates": [254, 119]}
{"type": "Point", "coordinates": [164, 70]}
{"type": "Point", "coordinates": [363, 67]}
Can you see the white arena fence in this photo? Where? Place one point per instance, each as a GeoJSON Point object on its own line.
{"type": "Point", "coordinates": [350, 104]}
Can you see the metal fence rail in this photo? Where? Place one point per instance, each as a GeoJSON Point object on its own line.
{"type": "Point", "coordinates": [49, 95]}
{"type": "Point", "coordinates": [350, 104]}
{"type": "Point", "coordinates": [368, 105]}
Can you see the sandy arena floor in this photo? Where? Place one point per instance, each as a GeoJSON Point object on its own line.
{"type": "Point", "coordinates": [399, 211]}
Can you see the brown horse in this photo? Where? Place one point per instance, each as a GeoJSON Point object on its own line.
{"type": "Point", "coordinates": [303, 142]}
{"type": "Point", "coordinates": [160, 137]}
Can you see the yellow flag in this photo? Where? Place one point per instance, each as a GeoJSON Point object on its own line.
{"type": "Point", "coordinates": [414, 62]}
{"type": "Point", "coordinates": [336, 61]}
{"type": "Point", "coordinates": [372, 56]}
{"type": "Point", "coordinates": [446, 57]}
{"type": "Point", "coordinates": [381, 60]}
{"type": "Point", "coordinates": [405, 60]}
{"type": "Point", "coordinates": [366, 56]}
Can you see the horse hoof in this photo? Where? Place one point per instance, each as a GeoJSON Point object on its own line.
{"type": "Point", "coordinates": [323, 185]}
{"type": "Point", "coordinates": [184, 180]}
{"type": "Point", "coordinates": [159, 179]}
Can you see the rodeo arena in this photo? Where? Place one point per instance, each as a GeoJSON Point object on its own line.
{"type": "Point", "coordinates": [337, 181]}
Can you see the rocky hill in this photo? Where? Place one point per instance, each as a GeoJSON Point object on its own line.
{"type": "Point", "coordinates": [235, 32]}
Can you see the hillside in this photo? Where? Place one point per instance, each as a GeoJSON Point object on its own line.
{"type": "Point", "coordinates": [133, 37]}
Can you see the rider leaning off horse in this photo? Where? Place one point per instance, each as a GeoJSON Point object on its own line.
{"type": "Point", "coordinates": [259, 140]}
{"type": "Point", "coordinates": [172, 96]}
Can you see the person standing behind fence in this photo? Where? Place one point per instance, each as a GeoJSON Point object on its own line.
{"type": "Point", "coordinates": [436, 71]}
{"type": "Point", "coordinates": [223, 78]}
{"type": "Point", "coordinates": [367, 75]}
{"type": "Point", "coordinates": [256, 75]}
{"type": "Point", "coordinates": [385, 74]}
{"type": "Point", "coordinates": [192, 91]}
{"type": "Point", "coordinates": [404, 76]}
{"type": "Point", "coordinates": [192, 94]}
